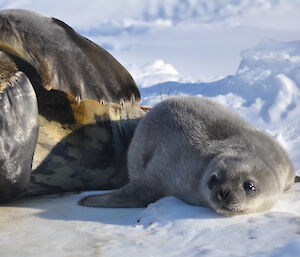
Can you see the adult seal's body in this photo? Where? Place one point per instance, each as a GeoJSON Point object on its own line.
{"type": "Point", "coordinates": [68, 109]}
{"type": "Point", "coordinates": [204, 154]}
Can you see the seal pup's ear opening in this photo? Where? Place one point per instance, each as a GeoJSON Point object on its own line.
{"type": "Point", "coordinates": [18, 130]}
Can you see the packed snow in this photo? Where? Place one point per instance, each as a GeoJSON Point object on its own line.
{"type": "Point", "coordinates": [244, 54]}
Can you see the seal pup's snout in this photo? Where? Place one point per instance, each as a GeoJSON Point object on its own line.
{"type": "Point", "coordinates": [221, 193]}
{"type": "Point", "coordinates": [226, 201]}
{"type": "Point", "coordinates": [224, 195]}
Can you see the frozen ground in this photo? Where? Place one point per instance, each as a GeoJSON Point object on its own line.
{"type": "Point", "coordinates": [244, 54]}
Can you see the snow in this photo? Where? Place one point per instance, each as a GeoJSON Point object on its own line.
{"type": "Point", "coordinates": [244, 54]}
{"type": "Point", "coordinates": [57, 226]}
{"type": "Point", "coordinates": [154, 73]}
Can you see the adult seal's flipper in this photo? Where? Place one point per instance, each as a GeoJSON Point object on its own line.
{"type": "Point", "coordinates": [18, 129]}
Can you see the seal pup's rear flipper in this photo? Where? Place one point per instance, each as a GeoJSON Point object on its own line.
{"type": "Point", "coordinates": [18, 129]}
{"type": "Point", "coordinates": [133, 195]}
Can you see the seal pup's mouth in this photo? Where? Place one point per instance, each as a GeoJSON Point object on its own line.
{"type": "Point", "coordinates": [227, 210]}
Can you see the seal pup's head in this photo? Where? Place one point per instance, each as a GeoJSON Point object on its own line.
{"type": "Point", "coordinates": [239, 183]}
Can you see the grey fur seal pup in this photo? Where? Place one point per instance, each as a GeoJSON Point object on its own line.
{"type": "Point", "coordinates": [203, 154]}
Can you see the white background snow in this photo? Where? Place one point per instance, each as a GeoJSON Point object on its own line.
{"type": "Point", "coordinates": [244, 54]}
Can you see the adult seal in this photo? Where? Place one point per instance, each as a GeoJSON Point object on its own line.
{"type": "Point", "coordinates": [68, 109]}
{"type": "Point", "coordinates": [203, 154]}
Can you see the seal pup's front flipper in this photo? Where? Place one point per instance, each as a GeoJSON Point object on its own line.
{"type": "Point", "coordinates": [18, 129]}
{"type": "Point", "coordinates": [133, 195]}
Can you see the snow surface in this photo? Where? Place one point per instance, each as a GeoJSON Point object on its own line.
{"type": "Point", "coordinates": [244, 54]}
{"type": "Point", "coordinates": [57, 226]}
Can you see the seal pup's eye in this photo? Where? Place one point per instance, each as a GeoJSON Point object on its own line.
{"type": "Point", "coordinates": [248, 186]}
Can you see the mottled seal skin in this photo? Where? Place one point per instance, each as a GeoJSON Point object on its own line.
{"type": "Point", "coordinates": [18, 128]}
{"type": "Point", "coordinates": [203, 154]}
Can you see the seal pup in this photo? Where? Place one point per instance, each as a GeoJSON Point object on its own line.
{"type": "Point", "coordinates": [204, 154]}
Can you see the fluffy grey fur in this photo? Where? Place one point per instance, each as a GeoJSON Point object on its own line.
{"type": "Point", "coordinates": [203, 154]}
